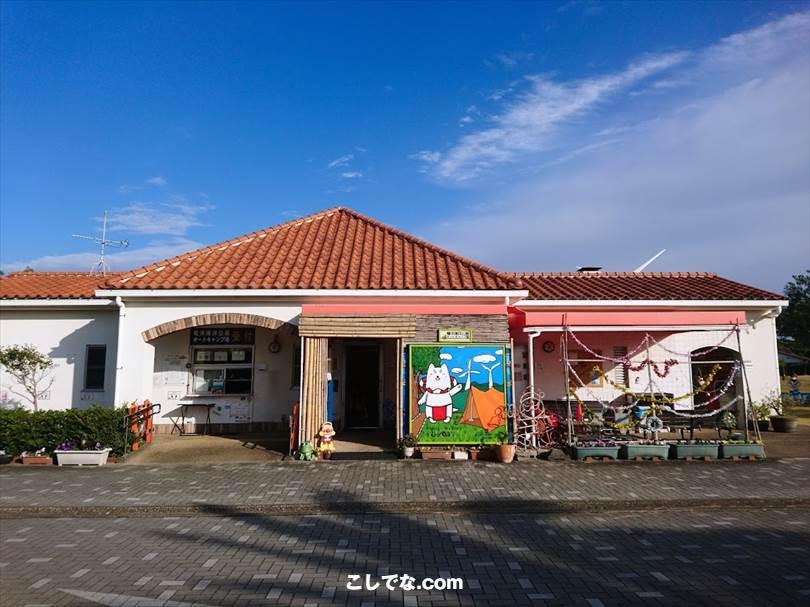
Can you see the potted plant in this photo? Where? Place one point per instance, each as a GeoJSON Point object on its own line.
{"type": "Point", "coordinates": [439, 453]}
{"type": "Point", "coordinates": [741, 449]}
{"type": "Point", "coordinates": [408, 445]}
{"type": "Point", "coordinates": [504, 450]}
{"type": "Point", "coordinates": [695, 449]}
{"type": "Point", "coordinates": [72, 453]}
{"type": "Point", "coordinates": [645, 449]}
{"type": "Point", "coordinates": [762, 414]}
{"type": "Point", "coordinates": [781, 422]}
{"type": "Point", "coordinates": [5, 459]}
{"type": "Point", "coordinates": [37, 458]}
{"type": "Point", "coordinates": [597, 449]}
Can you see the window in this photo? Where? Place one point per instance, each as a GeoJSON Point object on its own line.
{"type": "Point", "coordinates": [620, 371]}
{"type": "Point", "coordinates": [95, 367]}
{"type": "Point", "coordinates": [222, 370]}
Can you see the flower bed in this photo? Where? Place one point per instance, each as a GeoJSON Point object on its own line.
{"type": "Point", "coordinates": [742, 450]}
{"type": "Point", "coordinates": [72, 453]}
{"type": "Point", "coordinates": [646, 450]}
{"type": "Point", "coordinates": [23, 430]}
{"type": "Point", "coordinates": [695, 450]}
{"type": "Point", "coordinates": [587, 451]}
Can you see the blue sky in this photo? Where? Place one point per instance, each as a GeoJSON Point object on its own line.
{"type": "Point", "coordinates": [532, 136]}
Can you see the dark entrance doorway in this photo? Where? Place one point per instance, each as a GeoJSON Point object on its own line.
{"type": "Point", "coordinates": [362, 386]}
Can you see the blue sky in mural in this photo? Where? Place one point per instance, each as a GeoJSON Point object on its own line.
{"type": "Point", "coordinates": [577, 132]}
{"type": "Point", "coordinates": [479, 359]}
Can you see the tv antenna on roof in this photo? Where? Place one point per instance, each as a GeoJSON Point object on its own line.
{"type": "Point", "coordinates": [643, 266]}
{"type": "Point", "coordinates": [101, 266]}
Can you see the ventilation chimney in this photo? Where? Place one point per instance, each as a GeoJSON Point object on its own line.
{"type": "Point", "coordinates": [589, 269]}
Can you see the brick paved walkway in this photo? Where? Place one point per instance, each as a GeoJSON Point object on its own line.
{"type": "Point", "coordinates": [396, 485]}
{"type": "Point", "coordinates": [620, 558]}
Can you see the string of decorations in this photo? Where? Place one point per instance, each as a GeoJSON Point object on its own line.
{"type": "Point", "coordinates": [699, 351]}
{"type": "Point", "coordinates": [668, 364]}
{"type": "Point", "coordinates": [646, 342]}
{"type": "Point", "coordinates": [702, 386]}
{"type": "Point", "coordinates": [653, 388]}
{"type": "Point", "coordinates": [707, 414]}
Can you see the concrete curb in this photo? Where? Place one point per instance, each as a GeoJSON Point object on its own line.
{"type": "Point", "coordinates": [402, 508]}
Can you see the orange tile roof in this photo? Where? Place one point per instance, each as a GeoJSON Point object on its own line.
{"type": "Point", "coordinates": [668, 286]}
{"type": "Point", "coordinates": [334, 249]}
{"type": "Point", "coordinates": [51, 285]}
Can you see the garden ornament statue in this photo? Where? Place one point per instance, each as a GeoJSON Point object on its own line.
{"type": "Point", "coordinates": [306, 452]}
{"type": "Point", "coordinates": [326, 436]}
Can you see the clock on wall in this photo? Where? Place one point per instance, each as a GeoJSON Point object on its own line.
{"type": "Point", "coordinates": [275, 347]}
{"type": "Point", "coordinates": [548, 346]}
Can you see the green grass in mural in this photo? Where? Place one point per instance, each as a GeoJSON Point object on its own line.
{"type": "Point", "coordinates": [456, 433]}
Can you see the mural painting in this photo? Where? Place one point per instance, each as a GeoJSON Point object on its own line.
{"type": "Point", "coordinates": [458, 393]}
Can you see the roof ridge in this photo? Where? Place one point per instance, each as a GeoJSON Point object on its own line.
{"type": "Point", "coordinates": [575, 274]}
{"type": "Point", "coordinates": [57, 273]}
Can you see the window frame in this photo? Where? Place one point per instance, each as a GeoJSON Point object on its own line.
{"type": "Point", "coordinates": [88, 367]}
{"type": "Point", "coordinates": [222, 366]}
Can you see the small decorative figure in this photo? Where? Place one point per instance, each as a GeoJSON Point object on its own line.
{"type": "Point", "coordinates": [306, 452]}
{"type": "Point", "coordinates": [325, 445]}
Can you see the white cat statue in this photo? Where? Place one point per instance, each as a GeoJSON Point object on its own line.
{"type": "Point", "coordinates": [439, 387]}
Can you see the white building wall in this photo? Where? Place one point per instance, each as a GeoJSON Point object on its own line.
{"type": "Point", "coordinates": [757, 338]}
{"type": "Point", "coordinates": [140, 364]}
{"type": "Point", "coordinates": [275, 388]}
{"type": "Point", "coordinates": [63, 335]}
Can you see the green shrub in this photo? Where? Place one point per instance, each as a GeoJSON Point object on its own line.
{"type": "Point", "coordinates": [23, 430]}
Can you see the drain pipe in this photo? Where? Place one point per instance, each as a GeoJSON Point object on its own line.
{"type": "Point", "coordinates": [531, 357]}
{"type": "Point", "coordinates": [122, 312]}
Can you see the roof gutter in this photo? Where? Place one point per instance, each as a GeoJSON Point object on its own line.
{"type": "Point", "coordinates": [651, 303]}
{"type": "Point", "coordinates": [55, 303]}
{"type": "Point", "coordinates": [231, 293]}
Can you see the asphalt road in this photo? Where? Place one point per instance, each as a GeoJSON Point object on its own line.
{"type": "Point", "coordinates": [672, 557]}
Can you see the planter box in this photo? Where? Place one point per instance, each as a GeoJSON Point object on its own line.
{"type": "Point", "coordinates": [746, 450]}
{"type": "Point", "coordinates": [645, 451]}
{"type": "Point", "coordinates": [6, 459]}
{"type": "Point", "coordinates": [439, 455]}
{"type": "Point", "coordinates": [783, 423]}
{"type": "Point", "coordinates": [37, 460]}
{"type": "Point", "coordinates": [82, 458]}
{"type": "Point", "coordinates": [695, 451]}
{"type": "Point", "coordinates": [588, 453]}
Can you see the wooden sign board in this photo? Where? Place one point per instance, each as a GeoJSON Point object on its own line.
{"type": "Point", "coordinates": [455, 335]}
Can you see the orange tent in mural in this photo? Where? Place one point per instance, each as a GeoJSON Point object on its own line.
{"type": "Point", "coordinates": [484, 409]}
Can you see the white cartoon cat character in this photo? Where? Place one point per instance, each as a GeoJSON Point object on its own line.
{"type": "Point", "coordinates": [438, 387]}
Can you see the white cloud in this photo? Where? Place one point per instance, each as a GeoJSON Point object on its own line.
{"type": "Point", "coordinates": [530, 123]}
{"type": "Point", "coordinates": [173, 218]}
{"type": "Point", "coordinates": [125, 259]}
{"type": "Point", "coordinates": [352, 175]}
{"type": "Point", "coordinates": [157, 181]}
{"type": "Point", "coordinates": [426, 156]}
{"type": "Point", "coordinates": [341, 161]}
{"type": "Point", "coordinates": [716, 172]}
{"type": "Point", "coordinates": [446, 356]}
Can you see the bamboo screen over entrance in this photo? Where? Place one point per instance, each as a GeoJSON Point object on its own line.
{"type": "Point", "coordinates": [388, 325]}
{"type": "Point", "coordinates": [313, 397]}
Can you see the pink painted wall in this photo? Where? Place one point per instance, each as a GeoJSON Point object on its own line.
{"type": "Point", "coordinates": [627, 318]}
{"type": "Point", "coordinates": [403, 308]}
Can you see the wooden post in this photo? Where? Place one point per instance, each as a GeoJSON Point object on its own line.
{"type": "Point", "coordinates": [748, 402]}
